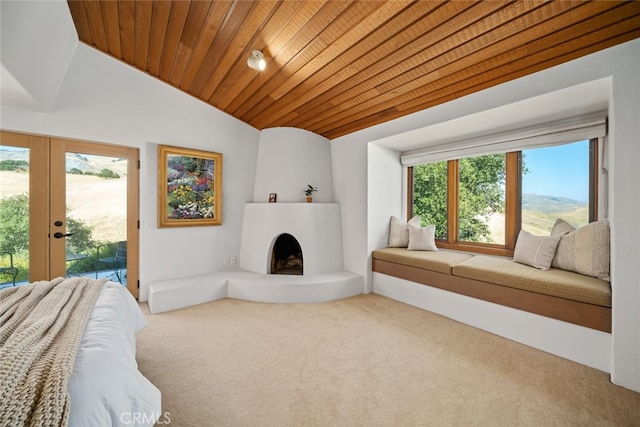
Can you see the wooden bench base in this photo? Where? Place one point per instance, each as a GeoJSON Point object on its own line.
{"type": "Point", "coordinates": [579, 313]}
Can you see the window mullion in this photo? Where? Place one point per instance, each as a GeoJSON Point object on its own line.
{"type": "Point", "coordinates": [410, 192]}
{"type": "Point", "coordinates": [593, 179]}
{"type": "Point", "coordinates": [452, 200]}
{"type": "Point", "coordinates": [513, 198]}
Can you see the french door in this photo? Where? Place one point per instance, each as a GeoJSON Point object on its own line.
{"type": "Point", "coordinates": [82, 208]}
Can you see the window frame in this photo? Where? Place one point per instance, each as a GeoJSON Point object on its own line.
{"type": "Point", "coordinates": [513, 203]}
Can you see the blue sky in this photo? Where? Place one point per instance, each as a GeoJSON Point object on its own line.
{"type": "Point", "coordinates": [561, 171]}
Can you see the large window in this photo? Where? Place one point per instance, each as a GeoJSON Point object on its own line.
{"type": "Point", "coordinates": [555, 183]}
{"type": "Point", "coordinates": [480, 203]}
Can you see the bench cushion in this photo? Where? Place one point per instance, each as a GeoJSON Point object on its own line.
{"type": "Point", "coordinates": [555, 282]}
{"type": "Point", "coordinates": [441, 261]}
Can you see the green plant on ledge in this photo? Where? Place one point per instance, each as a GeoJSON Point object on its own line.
{"type": "Point", "coordinates": [309, 192]}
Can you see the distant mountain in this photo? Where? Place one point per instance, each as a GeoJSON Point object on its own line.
{"type": "Point", "coordinates": [77, 161]}
{"type": "Point", "coordinates": [550, 204]}
{"type": "Point", "coordinates": [14, 154]}
{"type": "Point", "coordinates": [93, 164]}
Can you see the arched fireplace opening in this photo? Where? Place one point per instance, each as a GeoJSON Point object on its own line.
{"type": "Point", "coordinates": [286, 256]}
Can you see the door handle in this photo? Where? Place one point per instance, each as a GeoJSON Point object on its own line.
{"type": "Point", "coordinates": [59, 235]}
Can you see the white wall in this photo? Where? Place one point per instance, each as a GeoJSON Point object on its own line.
{"type": "Point", "coordinates": [288, 160]}
{"type": "Point", "coordinates": [103, 100]}
{"type": "Point", "coordinates": [618, 64]}
{"type": "Point", "coordinates": [384, 198]}
{"type": "Point", "coordinates": [35, 36]}
{"type": "Point", "coordinates": [624, 205]}
{"type": "Point", "coordinates": [350, 190]}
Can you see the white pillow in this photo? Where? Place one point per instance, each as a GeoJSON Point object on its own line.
{"type": "Point", "coordinates": [399, 231]}
{"type": "Point", "coordinates": [585, 250]}
{"type": "Point", "coordinates": [535, 251]}
{"type": "Point", "coordinates": [422, 238]}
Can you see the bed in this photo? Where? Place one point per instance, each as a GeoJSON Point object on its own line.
{"type": "Point", "coordinates": [102, 382]}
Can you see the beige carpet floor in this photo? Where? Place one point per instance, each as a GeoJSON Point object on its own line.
{"type": "Point", "coordinates": [362, 361]}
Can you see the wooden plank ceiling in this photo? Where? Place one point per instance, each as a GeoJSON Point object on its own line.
{"type": "Point", "coordinates": [335, 67]}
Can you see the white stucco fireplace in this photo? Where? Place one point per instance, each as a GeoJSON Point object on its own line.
{"type": "Point", "coordinates": [316, 226]}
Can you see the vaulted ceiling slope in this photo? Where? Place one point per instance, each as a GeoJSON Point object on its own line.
{"type": "Point", "coordinates": [335, 67]}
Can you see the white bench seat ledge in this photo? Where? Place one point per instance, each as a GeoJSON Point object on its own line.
{"type": "Point", "coordinates": [183, 292]}
{"type": "Point", "coordinates": [172, 294]}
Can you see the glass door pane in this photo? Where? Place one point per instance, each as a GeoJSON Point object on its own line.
{"type": "Point", "coordinates": [96, 216]}
{"type": "Point", "coordinates": [14, 215]}
{"type": "Point", "coordinates": [94, 212]}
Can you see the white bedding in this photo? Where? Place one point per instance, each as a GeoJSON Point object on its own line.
{"type": "Point", "coordinates": [106, 387]}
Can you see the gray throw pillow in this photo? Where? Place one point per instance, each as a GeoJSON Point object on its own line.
{"type": "Point", "coordinates": [535, 251]}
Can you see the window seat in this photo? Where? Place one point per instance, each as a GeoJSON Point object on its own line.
{"type": "Point", "coordinates": [555, 293]}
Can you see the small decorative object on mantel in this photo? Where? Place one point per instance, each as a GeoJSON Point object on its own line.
{"type": "Point", "coordinates": [273, 197]}
{"type": "Point", "coordinates": [309, 192]}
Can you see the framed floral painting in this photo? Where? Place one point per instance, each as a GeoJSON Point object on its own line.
{"type": "Point", "coordinates": [189, 187]}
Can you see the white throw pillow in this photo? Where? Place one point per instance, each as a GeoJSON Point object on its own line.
{"type": "Point", "coordinates": [399, 231]}
{"type": "Point", "coordinates": [585, 250]}
{"type": "Point", "coordinates": [535, 251]}
{"type": "Point", "coordinates": [422, 238]}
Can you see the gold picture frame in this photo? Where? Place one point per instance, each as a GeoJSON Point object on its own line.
{"type": "Point", "coordinates": [189, 187]}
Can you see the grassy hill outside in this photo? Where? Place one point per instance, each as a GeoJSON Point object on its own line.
{"type": "Point", "coordinates": [540, 223]}
{"type": "Point", "coordinates": [84, 163]}
{"type": "Point", "coordinates": [98, 202]}
{"type": "Point", "coordinates": [540, 212]}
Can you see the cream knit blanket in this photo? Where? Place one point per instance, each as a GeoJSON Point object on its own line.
{"type": "Point", "coordinates": [41, 325]}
